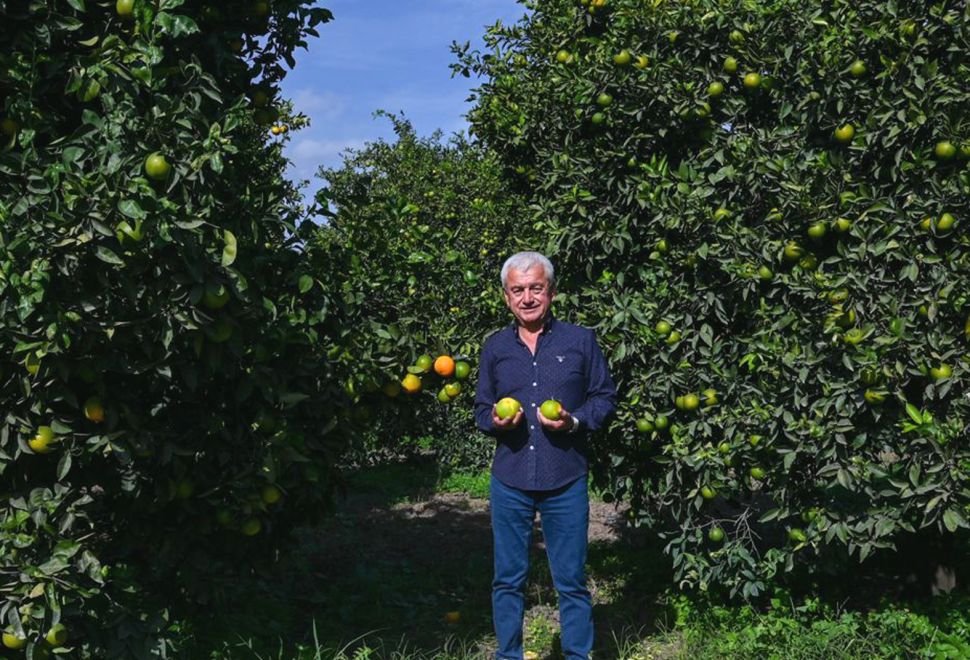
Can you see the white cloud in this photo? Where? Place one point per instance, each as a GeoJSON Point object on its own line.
{"type": "Point", "coordinates": [319, 106]}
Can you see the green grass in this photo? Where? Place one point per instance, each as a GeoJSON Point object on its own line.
{"type": "Point", "coordinates": [467, 483]}
{"type": "Point", "coordinates": [376, 580]}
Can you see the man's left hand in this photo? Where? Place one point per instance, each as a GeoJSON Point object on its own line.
{"type": "Point", "coordinates": [564, 423]}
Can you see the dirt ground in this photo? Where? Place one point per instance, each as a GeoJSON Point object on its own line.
{"type": "Point", "coordinates": [406, 564]}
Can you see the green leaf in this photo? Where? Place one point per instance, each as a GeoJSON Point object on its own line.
{"type": "Point", "coordinates": [953, 520]}
{"type": "Point", "coordinates": [108, 256]}
{"type": "Point", "coordinates": [175, 25]}
{"type": "Point", "coordinates": [131, 209]}
{"type": "Point", "coordinates": [305, 283]}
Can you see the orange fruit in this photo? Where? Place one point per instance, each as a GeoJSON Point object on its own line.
{"type": "Point", "coordinates": [444, 366]}
{"type": "Point", "coordinates": [411, 384]}
{"type": "Point", "coordinates": [93, 410]}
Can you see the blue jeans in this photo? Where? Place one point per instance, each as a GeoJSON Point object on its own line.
{"type": "Point", "coordinates": [565, 524]}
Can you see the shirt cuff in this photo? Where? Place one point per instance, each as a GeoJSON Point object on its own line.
{"type": "Point", "coordinates": [575, 426]}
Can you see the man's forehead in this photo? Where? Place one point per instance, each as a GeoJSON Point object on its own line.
{"type": "Point", "coordinates": [536, 272]}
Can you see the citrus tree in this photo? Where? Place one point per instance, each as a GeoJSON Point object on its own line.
{"type": "Point", "coordinates": [763, 209]}
{"type": "Point", "coordinates": [165, 413]}
{"type": "Point", "coordinates": [416, 235]}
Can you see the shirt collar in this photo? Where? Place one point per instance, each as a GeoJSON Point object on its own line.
{"type": "Point", "coordinates": [547, 327]}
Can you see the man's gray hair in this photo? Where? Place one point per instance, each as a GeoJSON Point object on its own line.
{"type": "Point", "coordinates": [523, 261]}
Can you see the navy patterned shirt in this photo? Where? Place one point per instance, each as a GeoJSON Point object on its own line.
{"type": "Point", "coordinates": [568, 366]}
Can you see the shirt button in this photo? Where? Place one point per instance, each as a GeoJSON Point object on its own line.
{"type": "Point", "coordinates": [533, 428]}
{"type": "Point", "coordinates": [535, 384]}
{"type": "Point", "coordinates": [535, 364]}
{"type": "Point", "coordinates": [531, 446]}
{"type": "Point", "coordinates": [533, 404]}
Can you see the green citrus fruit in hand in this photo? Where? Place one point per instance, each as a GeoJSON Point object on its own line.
{"type": "Point", "coordinates": [156, 167]}
{"type": "Point", "coordinates": [551, 409]}
{"type": "Point", "coordinates": [40, 443]}
{"type": "Point", "coordinates": [57, 635]}
{"type": "Point", "coordinates": [716, 534]}
{"type": "Point", "coordinates": [462, 369]}
{"type": "Point", "coordinates": [507, 407]}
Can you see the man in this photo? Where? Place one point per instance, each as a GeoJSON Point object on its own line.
{"type": "Point", "coordinates": [541, 464]}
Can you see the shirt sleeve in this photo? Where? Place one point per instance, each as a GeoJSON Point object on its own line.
{"type": "Point", "coordinates": [485, 390]}
{"type": "Point", "coordinates": [601, 391]}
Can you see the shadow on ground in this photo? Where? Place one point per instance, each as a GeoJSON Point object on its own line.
{"type": "Point", "coordinates": [395, 559]}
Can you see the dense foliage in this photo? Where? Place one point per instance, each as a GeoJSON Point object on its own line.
{"type": "Point", "coordinates": [416, 235]}
{"type": "Point", "coordinates": [164, 412]}
{"type": "Point", "coordinates": [763, 209]}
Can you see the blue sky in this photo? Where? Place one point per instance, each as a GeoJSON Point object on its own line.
{"type": "Point", "coordinates": [383, 54]}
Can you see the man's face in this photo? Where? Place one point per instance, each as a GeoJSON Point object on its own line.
{"type": "Point", "coordinates": [528, 295]}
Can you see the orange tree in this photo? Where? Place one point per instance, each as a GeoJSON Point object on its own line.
{"type": "Point", "coordinates": [416, 235]}
{"type": "Point", "coordinates": [763, 209]}
{"type": "Point", "coordinates": [165, 415]}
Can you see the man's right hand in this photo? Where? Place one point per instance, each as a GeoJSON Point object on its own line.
{"type": "Point", "coordinates": [509, 422]}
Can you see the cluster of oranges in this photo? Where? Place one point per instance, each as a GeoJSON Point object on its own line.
{"type": "Point", "coordinates": [452, 372]}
